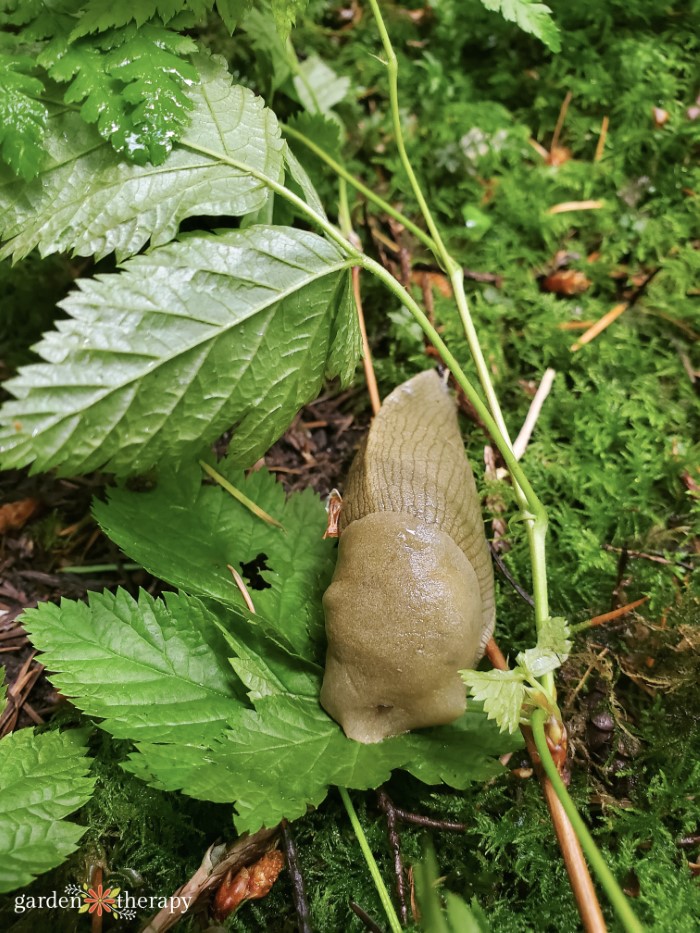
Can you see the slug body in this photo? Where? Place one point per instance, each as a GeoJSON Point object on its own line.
{"type": "Point", "coordinates": [411, 602]}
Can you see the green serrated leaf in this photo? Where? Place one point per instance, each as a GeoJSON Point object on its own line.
{"type": "Point", "coordinates": [153, 670]}
{"type": "Point", "coordinates": [43, 778]}
{"type": "Point", "coordinates": [321, 130]}
{"type": "Point", "coordinates": [532, 17]}
{"type": "Point", "coordinates": [188, 340]}
{"type": "Point", "coordinates": [3, 698]}
{"type": "Point", "coordinates": [200, 530]}
{"type": "Point", "coordinates": [279, 61]}
{"type": "Point", "coordinates": [232, 11]}
{"type": "Point", "coordinates": [285, 13]}
{"type": "Point", "coordinates": [22, 117]}
{"type": "Point", "coordinates": [501, 692]}
{"type": "Point", "coordinates": [89, 202]}
{"type": "Point", "coordinates": [280, 756]}
{"type": "Point", "coordinates": [318, 86]}
{"type": "Point", "coordinates": [100, 15]}
{"type": "Point", "coordinates": [298, 174]}
{"type": "Point", "coordinates": [149, 63]}
{"type": "Point", "coordinates": [550, 652]}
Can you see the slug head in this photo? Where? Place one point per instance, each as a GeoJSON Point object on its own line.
{"type": "Point", "coordinates": [403, 617]}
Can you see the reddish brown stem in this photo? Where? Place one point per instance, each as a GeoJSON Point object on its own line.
{"type": "Point", "coordinates": [579, 876]}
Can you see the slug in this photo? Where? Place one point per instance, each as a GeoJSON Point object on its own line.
{"type": "Point", "coordinates": [411, 602]}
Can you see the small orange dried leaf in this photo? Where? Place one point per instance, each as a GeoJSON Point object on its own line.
{"type": "Point", "coordinates": [566, 282]}
{"type": "Point", "coordinates": [14, 515]}
{"type": "Point", "coordinates": [248, 884]}
{"type": "Point", "coordinates": [661, 117]}
{"type": "Point", "coordinates": [558, 155]}
{"type": "Point", "coordinates": [333, 508]}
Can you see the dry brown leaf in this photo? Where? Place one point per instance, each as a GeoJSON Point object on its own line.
{"type": "Point", "coordinates": [661, 117]}
{"type": "Point", "coordinates": [566, 282]}
{"type": "Point", "coordinates": [14, 515]}
{"type": "Point", "coordinates": [558, 155]}
{"type": "Point", "coordinates": [249, 884]}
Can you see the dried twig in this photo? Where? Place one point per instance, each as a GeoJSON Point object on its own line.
{"type": "Point", "coordinates": [654, 558]}
{"type": "Point", "coordinates": [605, 321]}
{"type": "Point", "coordinates": [600, 148]}
{"type": "Point", "coordinates": [389, 810]}
{"type": "Point", "coordinates": [566, 206]}
{"type": "Point", "coordinates": [298, 888]}
{"type": "Point", "coordinates": [418, 819]}
{"type": "Point", "coordinates": [543, 390]}
{"type": "Point", "coordinates": [609, 616]}
{"type": "Point", "coordinates": [560, 121]}
{"type": "Point", "coordinates": [17, 694]}
{"type": "Point", "coordinates": [615, 312]}
{"type": "Point", "coordinates": [498, 561]}
{"type": "Point", "coordinates": [365, 918]}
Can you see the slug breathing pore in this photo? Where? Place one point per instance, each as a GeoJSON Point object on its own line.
{"type": "Point", "coordinates": [411, 602]}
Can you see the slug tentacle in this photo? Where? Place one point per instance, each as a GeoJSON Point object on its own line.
{"type": "Point", "coordinates": [412, 601]}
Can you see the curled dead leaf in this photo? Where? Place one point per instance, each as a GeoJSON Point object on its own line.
{"type": "Point", "coordinates": [566, 282]}
{"type": "Point", "coordinates": [558, 155]}
{"type": "Point", "coordinates": [661, 117]}
{"type": "Point", "coordinates": [14, 515]}
{"type": "Point", "coordinates": [248, 884]}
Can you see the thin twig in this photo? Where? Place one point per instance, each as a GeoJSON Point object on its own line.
{"type": "Point", "coordinates": [498, 561]}
{"type": "Point", "coordinates": [301, 904]}
{"type": "Point", "coordinates": [370, 376]}
{"type": "Point", "coordinates": [523, 439]}
{"type": "Point", "coordinates": [389, 810]}
{"type": "Point", "coordinates": [560, 121]}
{"type": "Point", "coordinates": [615, 312]}
{"type": "Point", "coordinates": [609, 616]}
{"type": "Point", "coordinates": [600, 148]}
{"type": "Point", "coordinates": [418, 819]}
{"type": "Point", "coordinates": [565, 207]}
{"type": "Point", "coordinates": [365, 918]}
{"type": "Point", "coordinates": [654, 558]}
{"type": "Point", "coordinates": [600, 325]}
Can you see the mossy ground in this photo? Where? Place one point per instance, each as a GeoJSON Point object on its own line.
{"type": "Point", "coordinates": [612, 458]}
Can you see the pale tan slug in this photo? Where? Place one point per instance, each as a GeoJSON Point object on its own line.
{"type": "Point", "coordinates": [411, 602]}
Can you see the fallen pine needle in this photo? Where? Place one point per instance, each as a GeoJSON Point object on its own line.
{"type": "Point", "coordinates": [609, 616]}
{"type": "Point", "coordinates": [239, 496]}
{"type": "Point", "coordinates": [242, 587]}
{"type": "Point", "coordinates": [543, 390]}
{"type": "Point", "coordinates": [575, 325]}
{"type": "Point", "coordinates": [599, 326]}
{"type": "Point", "coordinates": [567, 206]}
{"type": "Point", "coordinates": [560, 121]}
{"type": "Point", "coordinates": [601, 139]}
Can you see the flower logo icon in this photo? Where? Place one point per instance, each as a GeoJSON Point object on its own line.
{"type": "Point", "coordinates": [98, 901]}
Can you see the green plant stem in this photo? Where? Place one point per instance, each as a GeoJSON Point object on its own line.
{"type": "Point", "coordinates": [536, 514]}
{"type": "Point", "coordinates": [394, 924]}
{"type": "Point", "coordinates": [372, 196]}
{"type": "Point", "coordinates": [605, 876]}
{"type": "Point", "coordinates": [533, 503]}
{"type": "Point", "coordinates": [537, 523]}
{"type": "Point", "coordinates": [393, 72]}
